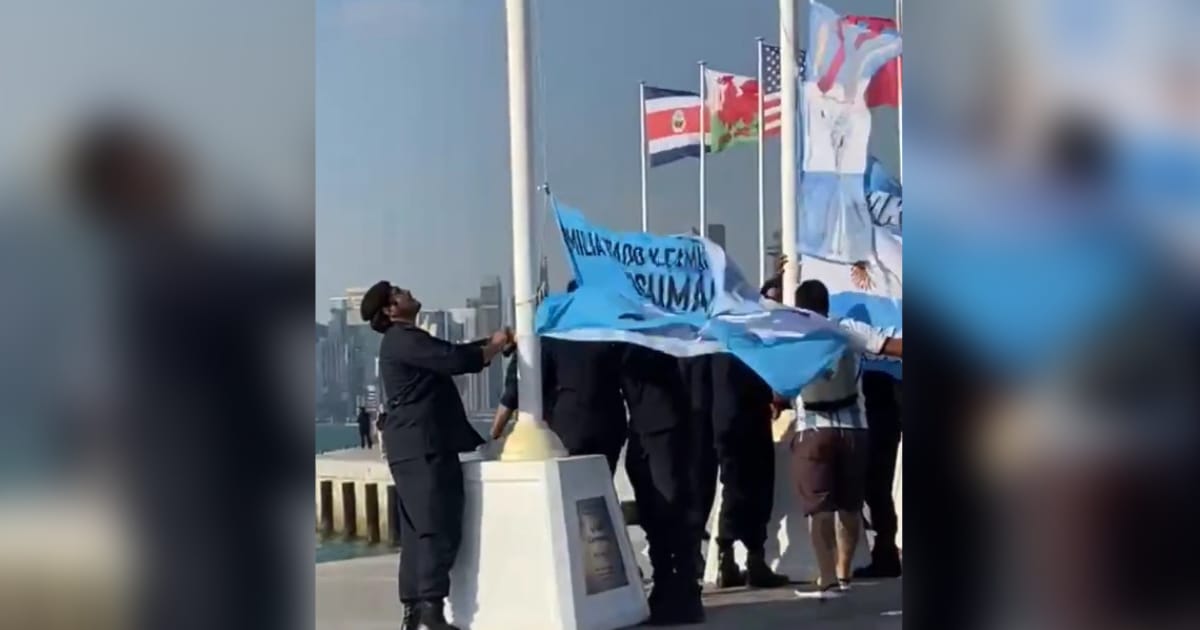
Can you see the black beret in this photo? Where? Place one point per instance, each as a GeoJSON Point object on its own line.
{"type": "Point", "coordinates": [375, 299]}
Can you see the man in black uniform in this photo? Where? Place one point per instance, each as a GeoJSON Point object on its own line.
{"type": "Point", "coordinates": [702, 454]}
{"type": "Point", "coordinates": [656, 461]}
{"type": "Point", "coordinates": [730, 431]}
{"type": "Point", "coordinates": [745, 453]}
{"type": "Point", "coordinates": [426, 429]}
{"type": "Point", "coordinates": [581, 397]}
{"type": "Point", "coordinates": [882, 404]}
{"type": "Point", "coordinates": [364, 428]}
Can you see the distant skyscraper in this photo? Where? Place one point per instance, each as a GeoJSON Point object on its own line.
{"type": "Point", "coordinates": [470, 386]}
{"type": "Point", "coordinates": [353, 350]}
{"type": "Point", "coordinates": [774, 251]}
{"type": "Point", "coordinates": [489, 316]}
{"type": "Point", "coordinates": [716, 233]}
{"type": "Point", "coordinates": [322, 380]}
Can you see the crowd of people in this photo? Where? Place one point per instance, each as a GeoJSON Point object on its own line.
{"type": "Point", "coordinates": [682, 424]}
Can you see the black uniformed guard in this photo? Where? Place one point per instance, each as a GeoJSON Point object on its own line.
{"type": "Point", "coordinates": [745, 453]}
{"type": "Point", "coordinates": [882, 403]}
{"type": "Point", "coordinates": [656, 461]}
{"type": "Point", "coordinates": [426, 429]}
{"type": "Point", "coordinates": [702, 461]}
{"type": "Point", "coordinates": [730, 432]}
{"type": "Point", "coordinates": [581, 397]}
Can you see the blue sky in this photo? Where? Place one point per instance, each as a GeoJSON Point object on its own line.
{"type": "Point", "coordinates": [412, 133]}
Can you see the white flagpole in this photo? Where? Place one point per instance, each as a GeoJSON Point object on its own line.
{"type": "Point", "coordinates": [787, 146]}
{"type": "Point", "coordinates": [762, 198]}
{"type": "Point", "coordinates": [645, 203]}
{"type": "Point", "coordinates": [704, 126]}
{"type": "Point", "coordinates": [531, 439]}
{"type": "Point", "coordinates": [900, 105]}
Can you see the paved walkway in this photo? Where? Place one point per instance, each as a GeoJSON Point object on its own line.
{"type": "Point", "coordinates": [361, 595]}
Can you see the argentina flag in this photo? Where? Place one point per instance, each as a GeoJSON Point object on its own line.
{"type": "Point", "coordinates": [870, 291]}
{"type": "Point", "coordinates": [682, 296]}
{"type": "Point", "coordinates": [884, 196]}
{"type": "Point", "coordinates": [835, 222]}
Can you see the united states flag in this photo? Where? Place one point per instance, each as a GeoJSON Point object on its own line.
{"type": "Point", "coordinates": [771, 87]}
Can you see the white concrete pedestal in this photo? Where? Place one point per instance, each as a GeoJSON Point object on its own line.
{"type": "Point", "coordinates": [544, 548]}
{"type": "Point", "coordinates": [789, 550]}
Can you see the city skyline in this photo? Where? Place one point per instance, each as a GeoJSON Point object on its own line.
{"type": "Point", "coordinates": [347, 350]}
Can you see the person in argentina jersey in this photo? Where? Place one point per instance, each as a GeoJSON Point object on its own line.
{"type": "Point", "coordinates": [830, 447]}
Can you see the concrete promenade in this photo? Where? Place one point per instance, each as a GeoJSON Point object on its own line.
{"type": "Point", "coordinates": [360, 594]}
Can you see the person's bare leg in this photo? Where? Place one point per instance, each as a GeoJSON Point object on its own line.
{"type": "Point", "coordinates": [821, 528]}
{"type": "Point", "coordinates": [849, 530]}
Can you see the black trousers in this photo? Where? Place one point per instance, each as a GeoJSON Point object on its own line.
{"type": "Point", "coordinates": [364, 438]}
{"type": "Point", "coordinates": [733, 439]}
{"type": "Point", "coordinates": [657, 467]}
{"type": "Point", "coordinates": [883, 429]}
{"type": "Point", "coordinates": [597, 437]}
{"type": "Point", "coordinates": [701, 463]}
{"type": "Point", "coordinates": [747, 467]}
{"type": "Point", "coordinates": [430, 491]}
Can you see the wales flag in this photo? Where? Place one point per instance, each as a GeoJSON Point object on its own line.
{"type": "Point", "coordinates": [731, 101]}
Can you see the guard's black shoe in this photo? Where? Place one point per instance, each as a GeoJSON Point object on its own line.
{"type": "Point", "coordinates": [675, 604]}
{"type": "Point", "coordinates": [412, 616]}
{"type": "Point", "coordinates": [660, 602]}
{"type": "Point", "coordinates": [729, 574]}
{"type": "Point", "coordinates": [878, 569]}
{"type": "Point", "coordinates": [760, 575]}
{"type": "Point", "coordinates": [431, 617]}
{"type": "Point", "coordinates": [690, 607]}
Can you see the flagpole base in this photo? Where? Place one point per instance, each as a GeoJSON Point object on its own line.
{"type": "Point", "coordinates": [531, 441]}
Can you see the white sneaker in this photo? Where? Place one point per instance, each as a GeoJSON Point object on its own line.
{"type": "Point", "coordinates": [821, 593]}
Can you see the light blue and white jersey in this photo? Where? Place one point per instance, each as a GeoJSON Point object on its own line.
{"type": "Point", "coordinates": [841, 383]}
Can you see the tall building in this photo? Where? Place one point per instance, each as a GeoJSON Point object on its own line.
{"type": "Point", "coordinates": [351, 359]}
{"type": "Point", "coordinates": [335, 355]}
{"type": "Point", "coordinates": [716, 233]}
{"type": "Point", "coordinates": [321, 388]}
{"type": "Point", "coordinates": [774, 251]}
{"type": "Point", "coordinates": [472, 387]}
{"type": "Point", "coordinates": [489, 317]}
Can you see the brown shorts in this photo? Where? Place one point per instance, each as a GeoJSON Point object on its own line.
{"type": "Point", "coordinates": [829, 467]}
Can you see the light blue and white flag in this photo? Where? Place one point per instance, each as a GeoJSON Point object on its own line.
{"type": "Point", "coordinates": [870, 291]}
{"type": "Point", "coordinates": [884, 196]}
{"type": "Point", "coordinates": [835, 221]}
{"type": "Point", "coordinates": [680, 295]}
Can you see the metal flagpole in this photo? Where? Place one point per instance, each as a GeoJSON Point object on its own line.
{"type": "Point", "coordinates": [762, 198]}
{"type": "Point", "coordinates": [787, 146]}
{"type": "Point", "coordinates": [645, 203]}
{"type": "Point", "coordinates": [531, 438]}
{"type": "Point", "coordinates": [704, 131]}
{"type": "Point", "coordinates": [900, 87]}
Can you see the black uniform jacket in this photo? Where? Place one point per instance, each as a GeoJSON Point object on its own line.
{"type": "Point", "coordinates": [581, 388]}
{"type": "Point", "coordinates": [654, 389]}
{"type": "Point", "coordinates": [738, 394]}
{"type": "Point", "coordinates": [425, 413]}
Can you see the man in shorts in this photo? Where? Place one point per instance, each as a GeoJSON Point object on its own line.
{"type": "Point", "coordinates": [830, 447]}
